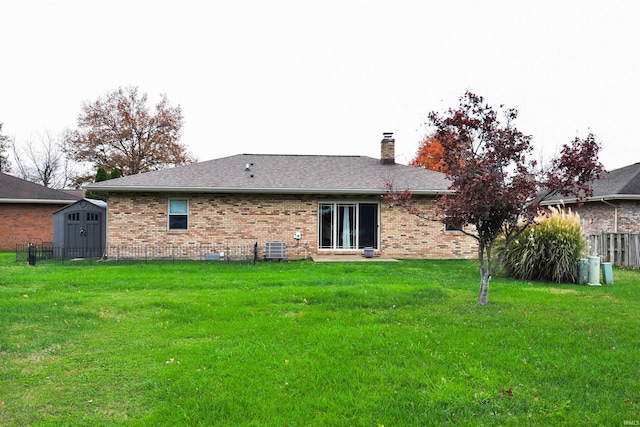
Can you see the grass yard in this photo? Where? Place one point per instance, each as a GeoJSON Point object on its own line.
{"type": "Point", "coordinates": [297, 344]}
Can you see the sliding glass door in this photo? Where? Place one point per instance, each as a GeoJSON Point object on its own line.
{"type": "Point", "coordinates": [368, 225]}
{"type": "Point", "coordinates": [348, 225]}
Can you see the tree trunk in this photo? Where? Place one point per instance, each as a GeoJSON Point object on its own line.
{"type": "Point", "coordinates": [485, 272]}
{"type": "Point", "coordinates": [483, 298]}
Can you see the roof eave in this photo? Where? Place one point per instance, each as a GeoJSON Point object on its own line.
{"type": "Point", "coordinates": [245, 190]}
{"type": "Point", "coordinates": [37, 201]}
{"type": "Point", "coordinates": [592, 199]}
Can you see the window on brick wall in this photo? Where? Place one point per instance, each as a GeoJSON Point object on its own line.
{"type": "Point", "coordinates": [348, 225]}
{"type": "Point", "coordinates": [453, 225]}
{"type": "Point", "coordinates": [178, 214]}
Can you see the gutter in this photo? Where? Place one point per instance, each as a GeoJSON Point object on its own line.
{"type": "Point", "coordinates": [592, 199]}
{"type": "Point", "coordinates": [38, 201]}
{"type": "Point", "coordinates": [237, 190]}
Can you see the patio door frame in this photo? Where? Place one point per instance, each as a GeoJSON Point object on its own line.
{"type": "Point", "coordinates": [334, 216]}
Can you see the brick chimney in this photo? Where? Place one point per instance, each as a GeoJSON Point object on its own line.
{"type": "Point", "coordinates": [387, 149]}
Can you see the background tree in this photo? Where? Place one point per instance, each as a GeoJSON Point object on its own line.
{"type": "Point", "coordinates": [429, 155]}
{"type": "Point", "coordinates": [116, 173]}
{"type": "Point", "coordinates": [4, 152]}
{"type": "Point", "coordinates": [44, 161]}
{"type": "Point", "coordinates": [494, 180]}
{"type": "Point", "coordinates": [119, 131]}
{"type": "Point", "coordinates": [101, 175]}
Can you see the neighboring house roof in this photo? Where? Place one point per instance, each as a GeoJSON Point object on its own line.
{"type": "Point", "coordinates": [270, 173]}
{"type": "Point", "coordinates": [618, 184]}
{"type": "Point", "coordinates": [16, 190]}
{"type": "Point", "coordinates": [79, 193]}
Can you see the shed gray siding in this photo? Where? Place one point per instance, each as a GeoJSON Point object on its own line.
{"type": "Point", "coordinates": [86, 235]}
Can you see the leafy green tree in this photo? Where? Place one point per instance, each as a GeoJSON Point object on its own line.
{"type": "Point", "coordinates": [115, 173]}
{"type": "Point", "coordinates": [101, 175]}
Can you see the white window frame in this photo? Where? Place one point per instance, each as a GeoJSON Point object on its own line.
{"type": "Point", "coordinates": [170, 214]}
{"type": "Point", "coordinates": [334, 231]}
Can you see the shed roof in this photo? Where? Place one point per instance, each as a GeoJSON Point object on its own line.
{"type": "Point", "coordinates": [272, 173]}
{"type": "Point", "coordinates": [16, 190]}
{"type": "Point", "coordinates": [100, 204]}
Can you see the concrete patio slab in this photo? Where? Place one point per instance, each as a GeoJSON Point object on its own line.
{"type": "Point", "coordinates": [350, 258]}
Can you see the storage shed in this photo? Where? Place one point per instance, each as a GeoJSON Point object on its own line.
{"type": "Point", "coordinates": [80, 229]}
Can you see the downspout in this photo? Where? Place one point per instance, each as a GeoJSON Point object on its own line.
{"type": "Point", "coordinates": [615, 215]}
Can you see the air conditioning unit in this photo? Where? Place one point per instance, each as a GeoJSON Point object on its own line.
{"type": "Point", "coordinates": [276, 250]}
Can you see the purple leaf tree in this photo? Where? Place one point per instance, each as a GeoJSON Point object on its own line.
{"type": "Point", "coordinates": [494, 180]}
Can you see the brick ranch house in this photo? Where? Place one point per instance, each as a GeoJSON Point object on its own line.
{"type": "Point", "coordinates": [614, 206]}
{"type": "Point", "coordinates": [26, 211]}
{"type": "Point", "coordinates": [315, 204]}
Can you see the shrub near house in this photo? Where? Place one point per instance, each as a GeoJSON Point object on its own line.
{"type": "Point", "coordinates": [548, 250]}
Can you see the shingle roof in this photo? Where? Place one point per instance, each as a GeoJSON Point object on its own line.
{"type": "Point", "coordinates": [16, 190]}
{"type": "Point", "coordinates": [269, 173]}
{"type": "Point", "coordinates": [623, 183]}
{"type": "Point", "coordinates": [99, 203]}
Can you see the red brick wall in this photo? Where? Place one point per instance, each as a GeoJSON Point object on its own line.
{"type": "Point", "coordinates": [26, 223]}
{"type": "Point", "coordinates": [221, 219]}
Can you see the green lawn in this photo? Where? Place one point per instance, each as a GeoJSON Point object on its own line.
{"type": "Point", "coordinates": [298, 343]}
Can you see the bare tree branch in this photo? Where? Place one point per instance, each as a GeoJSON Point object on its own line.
{"type": "Point", "coordinates": [44, 161]}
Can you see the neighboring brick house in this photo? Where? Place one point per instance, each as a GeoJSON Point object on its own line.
{"type": "Point", "coordinates": [26, 211]}
{"type": "Point", "coordinates": [315, 204]}
{"type": "Point", "coordinates": [614, 206]}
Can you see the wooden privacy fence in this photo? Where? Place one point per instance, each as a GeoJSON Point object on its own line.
{"type": "Point", "coordinates": [621, 249]}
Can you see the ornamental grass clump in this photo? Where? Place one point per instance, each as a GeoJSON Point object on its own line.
{"type": "Point", "coordinates": [548, 251]}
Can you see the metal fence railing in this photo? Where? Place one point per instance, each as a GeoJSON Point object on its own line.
{"type": "Point", "coordinates": [33, 253]}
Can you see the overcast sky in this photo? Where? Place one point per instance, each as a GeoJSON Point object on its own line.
{"type": "Point", "coordinates": [328, 77]}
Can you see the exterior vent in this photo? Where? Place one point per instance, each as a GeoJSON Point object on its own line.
{"type": "Point", "coordinates": [276, 250]}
